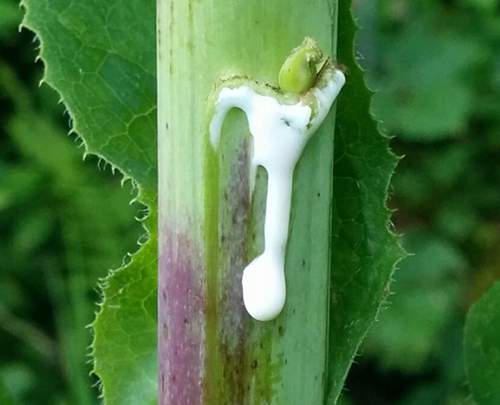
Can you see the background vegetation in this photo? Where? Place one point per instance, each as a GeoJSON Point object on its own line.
{"type": "Point", "coordinates": [64, 224]}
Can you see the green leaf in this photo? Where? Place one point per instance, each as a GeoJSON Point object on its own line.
{"type": "Point", "coordinates": [482, 347]}
{"type": "Point", "coordinates": [100, 56]}
{"type": "Point", "coordinates": [423, 96]}
{"type": "Point", "coordinates": [106, 78]}
{"type": "Point", "coordinates": [365, 250]}
{"type": "Point", "coordinates": [5, 396]}
{"type": "Point", "coordinates": [16, 379]}
{"type": "Point", "coordinates": [10, 15]}
{"type": "Point", "coordinates": [426, 288]}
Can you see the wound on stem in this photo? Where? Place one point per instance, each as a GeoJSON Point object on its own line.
{"type": "Point", "coordinates": [280, 123]}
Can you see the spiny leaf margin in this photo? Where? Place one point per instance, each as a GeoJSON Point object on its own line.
{"type": "Point", "coordinates": [371, 250]}
{"type": "Point", "coordinates": [119, 383]}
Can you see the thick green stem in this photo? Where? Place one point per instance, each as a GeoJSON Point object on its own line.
{"type": "Point", "coordinates": [210, 350]}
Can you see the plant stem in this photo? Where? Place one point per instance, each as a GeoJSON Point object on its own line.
{"type": "Point", "coordinates": [210, 351]}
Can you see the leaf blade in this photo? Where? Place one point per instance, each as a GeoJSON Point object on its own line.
{"type": "Point", "coordinates": [365, 249]}
{"type": "Point", "coordinates": [482, 347]}
{"type": "Point", "coordinates": [107, 82]}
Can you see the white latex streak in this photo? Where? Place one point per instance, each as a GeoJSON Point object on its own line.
{"type": "Point", "coordinates": [280, 133]}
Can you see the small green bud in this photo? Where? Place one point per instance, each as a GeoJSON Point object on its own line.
{"type": "Point", "coordinates": [299, 71]}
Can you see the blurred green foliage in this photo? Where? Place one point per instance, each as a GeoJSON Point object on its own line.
{"type": "Point", "coordinates": [482, 347]}
{"type": "Point", "coordinates": [63, 224]}
{"type": "Point", "coordinates": [436, 67]}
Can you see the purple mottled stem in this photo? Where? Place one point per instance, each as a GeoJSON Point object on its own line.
{"type": "Point", "coordinates": [180, 331]}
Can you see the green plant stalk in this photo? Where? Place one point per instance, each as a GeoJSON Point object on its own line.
{"type": "Point", "coordinates": [210, 350]}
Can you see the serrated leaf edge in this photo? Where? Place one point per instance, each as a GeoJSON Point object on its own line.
{"type": "Point", "coordinates": [136, 187]}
